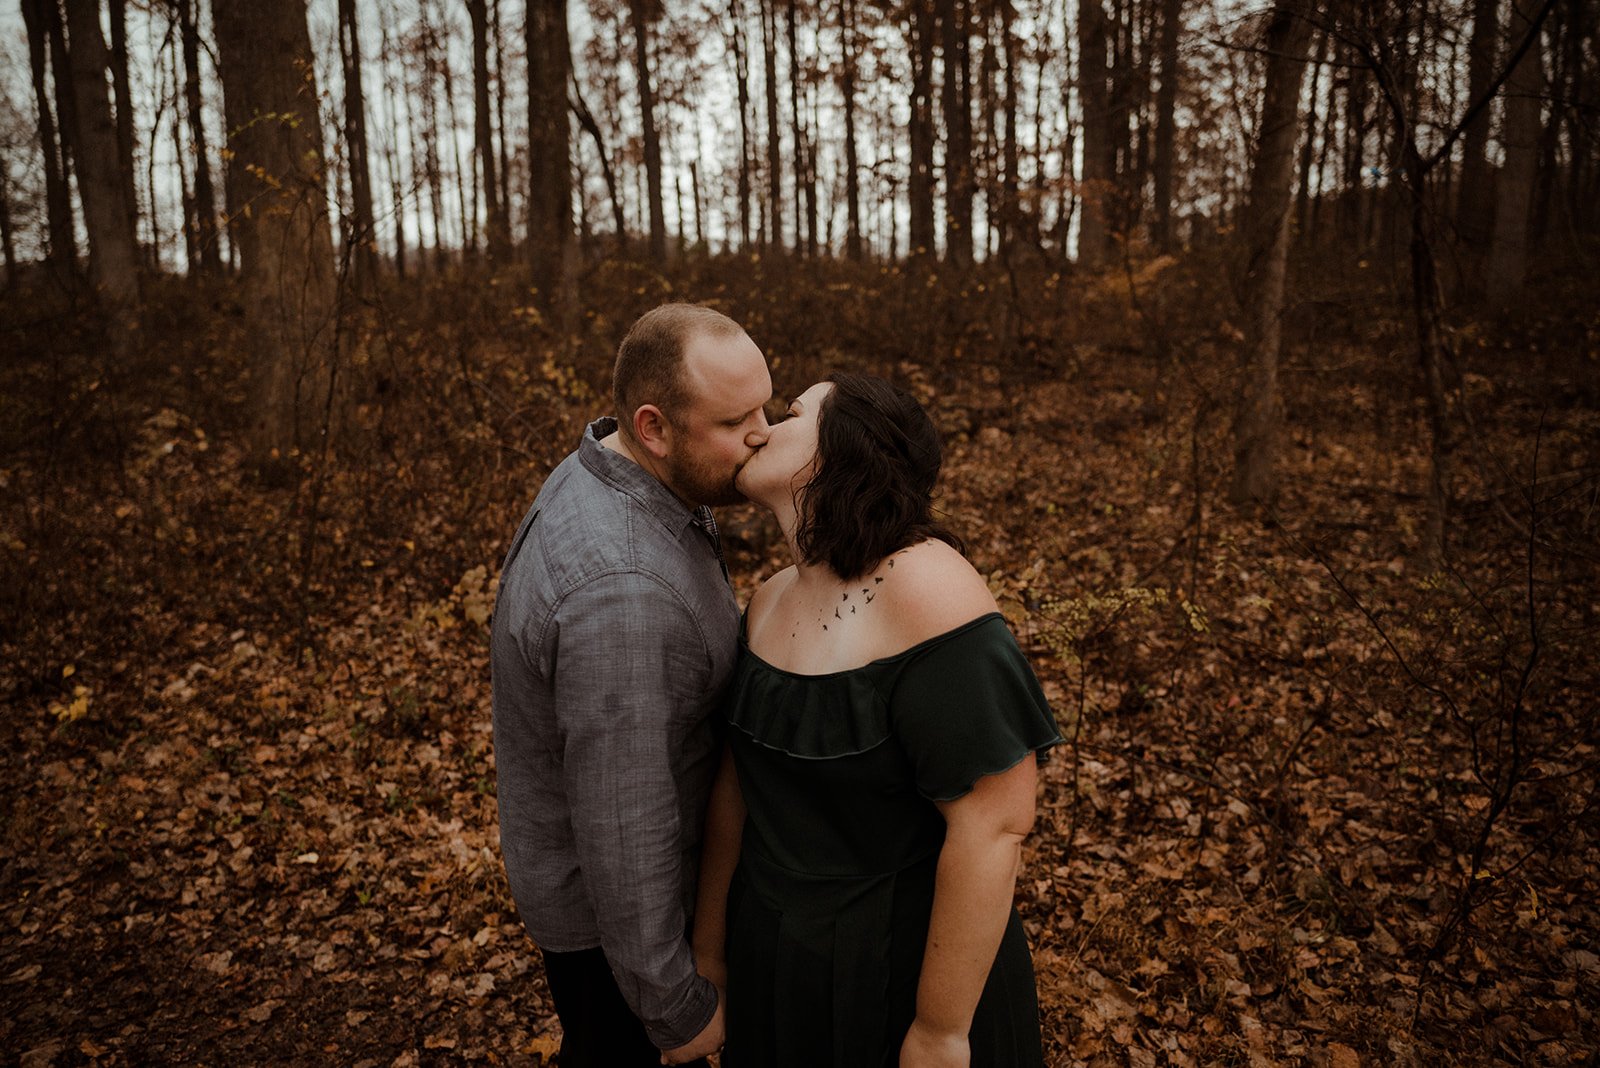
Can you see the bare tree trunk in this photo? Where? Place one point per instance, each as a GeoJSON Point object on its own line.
{"type": "Point", "coordinates": [769, 45]}
{"type": "Point", "coordinates": [1255, 431]}
{"type": "Point", "coordinates": [592, 128]}
{"type": "Point", "coordinates": [397, 198]}
{"type": "Point", "coordinates": [203, 223]}
{"type": "Point", "coordinates": [1508, 255]}
{"type": "Point", "coordinates": [797, 131]}
{"type": "Point", "coordinates": [955, 101]}
{"type": "Point", "coordinates": [7, 240]}
{"type": "Point", "coordinates": [652, 136]}
{"type": "Point", "coordinates": [113, 254]}
{"type": "Point", "coordinates": [275, 168]}
{"type": "Point", "coordinates": [741, 70]}
{"type": "Point", "coordinates": [61, 253]}
{"type": "Point", "coordinates": [1099, 148]}
{"type": "Point", "coordinates": [1166, 121]}
{"type": "Point", "coordinates": [483, 134]}
{"type": "Point", "coordinates": [1009, 181]}
{"type": "Point", "coordinates": [549, 147]}
{"type": "Point", "coordinates": [361, 233]}
{"type": "Point", "coordinates": [500, 115]}
{"type": "Point", "coordinates": [468, 216]}
{"type": "Point", "coordinates": [1308, 143]}
{"type": "Point", "coordinates": [920, 186]}
{"type": "Point", "coordinates": [1475, 213]}
{"type": "Point", "coordinates": [847, 89]}
{"type": "Point", "coordinates": [122, 93]}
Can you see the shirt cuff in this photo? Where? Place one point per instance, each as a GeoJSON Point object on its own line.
{"type": "Point", "coordinates": [688, 1018]}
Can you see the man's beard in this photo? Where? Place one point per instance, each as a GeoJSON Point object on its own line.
{"type": "Point", "coordinates": [702, 485]}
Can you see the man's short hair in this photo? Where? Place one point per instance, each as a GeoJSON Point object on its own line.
{"type": "Point", "coordinates": [649, 368]}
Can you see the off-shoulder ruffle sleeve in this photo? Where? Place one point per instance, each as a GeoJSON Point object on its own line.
{"type": "Point", "coordinates": [968, 706]}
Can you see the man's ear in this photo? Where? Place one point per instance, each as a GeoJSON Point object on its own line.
{"type": "Point", "coordinates": [651, 430]}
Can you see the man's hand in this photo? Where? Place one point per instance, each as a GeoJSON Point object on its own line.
{"type": "Point", "coordinates": [707, 1042]}
{"type": "Point", "coordinates": [926, 1048]}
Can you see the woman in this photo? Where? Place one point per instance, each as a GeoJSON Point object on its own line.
{"type": "Point", "coordinates": [865, 830]}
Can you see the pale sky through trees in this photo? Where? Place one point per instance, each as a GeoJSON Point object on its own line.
{"type": "Point", "coordinates": [1219, 78]}
{"type": "Point", "coordinates": [697, 113]}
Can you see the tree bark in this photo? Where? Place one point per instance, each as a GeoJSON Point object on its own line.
{"type": "Point", "coordinates": [1099, 148]}
{"type": "Point", "coordinates": [550, 146]}
{"type": "Point", "coordinates": [275, 173]}
{"type": "Point", "coordinates": [1508, 255]}
{"type": "Point", "coordinates": [113, 254]}
{"type": "Point", "coordinates": [1475, 211]}
{"type": "Point", "coordinates": [1255, 432]}
{"type": "Point", "coordinates": [652, 136]}
{"type": "Point", "coordinates": [397, 199]}
{"type": "Point", "coordinates": [847, 90]}
{"type": "Point", "coordinates": [587, 121]}
{"type": "Point", "coordinates": [1166, 122]}
{"type": "Point", "coordinates": [920, 185]}
{"type": "Point", "coordinates": [955, 105]}
{"type": "Point", "coordinates": [122, 93]}
{"type": "Point", "coordinates": [741, 71]}
{"type": "Point", "coordinates": [7, 240]}
{"type": "Point", "coordinates": [361, 233]}
{"type": "Point", "coordinates": [61, 252]}
{"type": "Point", "coordinates": [483, 133]}
{"type": "Point", "coordinates": [203, 223]}
{"type": "Point", "coordinates": [1010, 219]}
{"type": "Point", "coordinates": [769, 45]}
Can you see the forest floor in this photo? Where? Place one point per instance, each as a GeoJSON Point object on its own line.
{"type": "Point", "coordinates": [1322, 803]}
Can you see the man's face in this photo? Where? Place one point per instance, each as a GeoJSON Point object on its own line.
{"type": "Point", "coordinates": [723, 421]}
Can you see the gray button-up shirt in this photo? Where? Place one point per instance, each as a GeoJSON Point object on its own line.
{"type": "Point", "coordinates": [614, 633]}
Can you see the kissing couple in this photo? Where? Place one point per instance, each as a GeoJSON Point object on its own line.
{"type": "Point", "coordinates": [791, 834]}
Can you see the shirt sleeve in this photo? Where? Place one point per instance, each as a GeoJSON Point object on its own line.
{"type": "Point", "coordinates": [628, 659]}
{"type": "Point", "coordinates": [970, 707]}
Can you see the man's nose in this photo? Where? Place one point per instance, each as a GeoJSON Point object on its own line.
{"type": "Point", "coordinates": [758, 437]}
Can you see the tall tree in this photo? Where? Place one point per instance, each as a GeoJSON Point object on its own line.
{"type": "Point", "coordinates": [7, 239]}
{"type": "Point", "coordinates": [549, 145]}
{"type": "Point", "coordinates": [769, 46]}
{"type": "Point", "coordinates": [1166, 122]}
{"type": "Point", "coordinates": [805, 190]}
{"type": "Point", "coordinates": [642, 15]}
{"type": "Point", "coordinates": [1508, 255]}
{"type": "Point", "coordinates": [741, 72]}
{"type": "Point", "coordinates": [920, 184]}
{"type": "Point", "coordinates": [847, 90]}
{"type": "Point", "coordinates": [275, 174]}
{"type": "Point", "coordinates": [203, 224]}
{"type": "Point", "coordinates": [1009, 181]}
{"type": "Point", "coordinates": [1099, 147]}
{"type": "Point", "coordinates": [61, 252]}
{"type": "Point", "coordinates": [113, 254]}
{"type": "Point", "coordinates": [360, 232]}
{"type": "Point", "coordinates": [483, 134]}
{"type": "Point", "coordinates": [1475, 211]}
{"type": "Point", "coordinates": [122, 93]}
{"type": "Point", "coordinates": [1256, 425]}
{"type": "Point", "coordinates": [955, 101]}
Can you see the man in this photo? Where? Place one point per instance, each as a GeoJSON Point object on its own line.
{"type": "Point", "coordinates": [614, 631]}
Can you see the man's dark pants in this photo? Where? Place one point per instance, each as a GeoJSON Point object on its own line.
{"type": "Point", "coordinates": [598, 1030]}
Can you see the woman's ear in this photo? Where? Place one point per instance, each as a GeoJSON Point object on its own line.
{"type": "Point", "coordinates": [652, 430]}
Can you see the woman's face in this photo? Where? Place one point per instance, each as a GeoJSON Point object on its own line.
{"type": "Point", "coordinates": [781, 467]}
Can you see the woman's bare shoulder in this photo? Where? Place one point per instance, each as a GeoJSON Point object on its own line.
{"type": "Point", "coordinates": [931, 589]}
{"type": "Point", "coordinates": [768, 594]}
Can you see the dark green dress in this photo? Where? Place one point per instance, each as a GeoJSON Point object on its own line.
{"type": "Point", "coordinates": [828, 911]}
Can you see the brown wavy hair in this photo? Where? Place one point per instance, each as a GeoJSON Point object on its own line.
{"type": "Point", "coordinates": [878, 458]}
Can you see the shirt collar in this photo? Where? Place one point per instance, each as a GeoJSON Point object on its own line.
{"type": "Point", "coordinates": [622, 474]}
